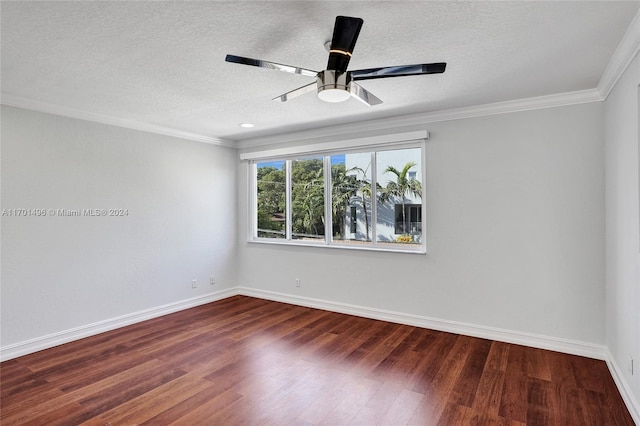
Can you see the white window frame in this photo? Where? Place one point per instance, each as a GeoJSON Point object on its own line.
{"type": "Point", "coordinates": [326, 150]}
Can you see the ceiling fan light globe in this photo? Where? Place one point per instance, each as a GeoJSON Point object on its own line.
{"type": "Point", "coordinates": [333, 95]}
{"type": "Point", "coordinates": [333, 86]}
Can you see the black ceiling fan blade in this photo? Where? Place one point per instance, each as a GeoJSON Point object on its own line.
{"type": "Point", "coordinates": [399, 71]}
{"type": "Point", "coordinates": [271, 65]}
{"type": "Point", "coordinates": [345, 35]}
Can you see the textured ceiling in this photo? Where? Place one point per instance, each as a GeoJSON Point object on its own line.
{"type": "Point", "coordinates": [162, 63]}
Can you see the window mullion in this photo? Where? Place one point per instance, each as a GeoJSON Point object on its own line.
{"type": "Point", "coordinates": [374, 197]}
{"type": "Point", "coordinates": [287, 199]}
{"type": "Point", "coordinates": [328, 207]}
{"type": "Point", "coordinates": [253, 200]}
{"type": "Point", "coordinates": [423, 200]}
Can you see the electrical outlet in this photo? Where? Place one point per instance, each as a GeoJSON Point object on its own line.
{"type": "Point", "coordinates": [297, 282]}
{"type": "Point", "coordinates": [194, 283]}
{"type": "Point", "coordinates": [212, 280]}
{"type": "Point", "coordinates": [630, 365]}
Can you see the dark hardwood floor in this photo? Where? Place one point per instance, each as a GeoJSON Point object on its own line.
{"type": "Point", "coordinates": [249, 361]}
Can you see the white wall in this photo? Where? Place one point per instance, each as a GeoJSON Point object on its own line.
{"type": "Point", "coordinates": [59, 273]}
{"type": "Point", "coordinates": [622, 213]}
{"type": "Point", "coordinates": [515, 232]}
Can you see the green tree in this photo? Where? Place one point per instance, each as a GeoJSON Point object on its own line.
{"type": "Point", "coordinates": [271, 198]}
{"type": "Point", "coordinates": [307, 196]}
{"type": "Point", "coordinates": [363, 186]}
{"type": "Point", "coordinates": [401, 187]}
{"type": "Point", "coordinates": [343, 187]}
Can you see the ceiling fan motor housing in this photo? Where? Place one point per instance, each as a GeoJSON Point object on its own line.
{"type": "Point", "coordinates": [333, 86]}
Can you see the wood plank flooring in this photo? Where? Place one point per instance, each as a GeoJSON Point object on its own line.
{"type": "Point", "coordinates": [243, 360]}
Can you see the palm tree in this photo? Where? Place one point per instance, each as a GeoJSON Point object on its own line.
{"type": "Point", "coordinates": [364, 187]}
{"type": "Point", "coordinates": [312, 203]}
{"type": "Point", "coordinates": [343, 188]}
{"type": "Point", "coordinates": [402, 186]}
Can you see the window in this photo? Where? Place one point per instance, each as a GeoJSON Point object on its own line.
{"type": "Point", "coordinates": [395, 187]}
{"type": "Point", "coordinates": [307, 199]}
{"type": "Point", "coordinates": [408, 219]}
{"type": "Point", "coordinates": [271, 199]}
{"type": "Point", "coordinates": [351, 186]}
{"type": "Point", "coordinates": [370, 199]}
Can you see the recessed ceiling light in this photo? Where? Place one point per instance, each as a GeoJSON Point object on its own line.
{"type": "Point", "coordinates": [246, 125]}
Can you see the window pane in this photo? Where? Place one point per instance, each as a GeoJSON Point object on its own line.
{"type": "Point", "coordinates": [411, 221]}
{"type": "Point", "coordinates": [351, 197]}
{"type": "Point", "coordinates": [399, 208]}
{"type": "Point", "coordinates": [307, 199]}
{"type": "Point", "coordinates": [271, 199]}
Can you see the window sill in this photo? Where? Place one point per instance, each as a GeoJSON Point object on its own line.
{"type": "Point", "coordinates": [383, 247]}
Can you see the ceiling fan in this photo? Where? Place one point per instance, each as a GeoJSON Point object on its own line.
{"type": "Point", "coordinates": [336, 84]}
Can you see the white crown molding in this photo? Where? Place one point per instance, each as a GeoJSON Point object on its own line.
{"type": "Point", "coordinates": [322, 133]}
{"type": "Point", "coordinates": [66, 336]}
{"type": "Point", "coordinates": [16, 101]}
{"type": "Point", "coordinates": [622, 57]}
{"type": "Point", "coordinates": [510, 336]}
{"type": "Point", "coordinates": [625, 390]}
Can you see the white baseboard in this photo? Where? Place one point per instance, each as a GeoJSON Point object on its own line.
{"type": "Point", "coordinates": [589, 350]}
{"type": "Point", "coordinates": [33, 345]}
{"type": "Point", "coordinates": [632, 403]}
{"type": "Point", "coordinates": [509, 336]}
